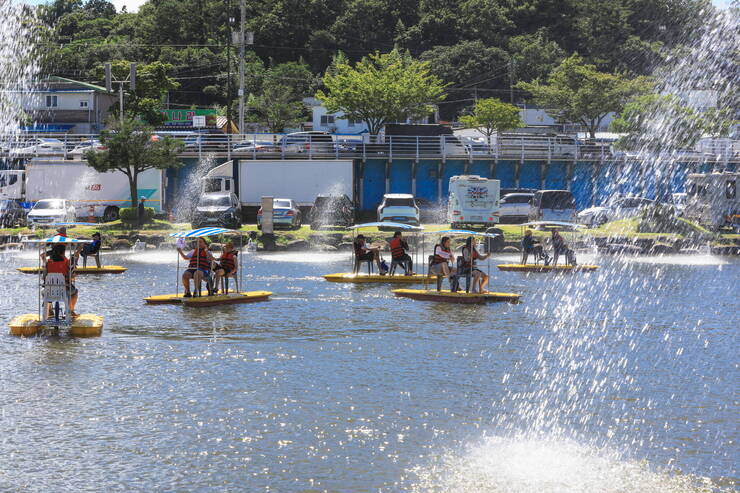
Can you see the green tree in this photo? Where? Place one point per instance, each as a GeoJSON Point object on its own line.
{"type": "Point", "coordinates": [657, 122]}
{"type": "Point", "coordinates": [131, 150]}
{"type": "Point", "coordinates": [491, 116]}
{"type": "Point", "coordinates": [277, 108]}
{"type": "Point", "coordinates": [380, 88]}
{"type": "Point", "coordinates": [576, 92]}
{"type": "Point", "coordinates": [718, 122]}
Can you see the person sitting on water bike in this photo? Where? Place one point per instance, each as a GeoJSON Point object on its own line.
{"type": "Point", "coordinates": [470, 257]}
{"type": "Point", "coordinates": [364, 253]}
{"type": "Point", "coordinates": [398, 253]}
{"type": "Point", "coordinates": [531, 245]}
{"type": "Point", "coordinates": [91, 249]}
{"type": "Point", "coordinates": [199, 266]}
{"type": "Point", "coordinates": [442, 258]}
{"type": "Point", "coordinates": [560, 247]}
{"type": "Point", "coordinates": [226, 264]}
{"type": "Point", "coordinates": [58, 263]}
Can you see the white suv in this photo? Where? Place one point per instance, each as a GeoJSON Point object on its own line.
{"type": "Point", "coordinates": [398, 208]}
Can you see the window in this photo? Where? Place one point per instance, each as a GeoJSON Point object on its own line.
{"type": "Point", "coordinates": [83, 104]}
{"type": "Point", "coordinates": [327, 120]}
{"type": "Point", "coordinates": [51, 101]}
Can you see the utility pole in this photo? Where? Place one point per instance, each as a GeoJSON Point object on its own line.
{"type": "Point", "coordinates": [229, 93]}
{"type": "Point", "coordinates": [243, 12]}
{"type": "Point", "coordinates": [511, 80]}
{"type": "Point", "coordinates": [130, 80]}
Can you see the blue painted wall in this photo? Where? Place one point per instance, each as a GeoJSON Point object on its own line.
{"type": "Point", "coordinates": [426, 179]}
{"type": "Point", "coordinates": [505, 172]}
{"type": "Point", "coordinates": [581, 188]}
{"type": "Point", "coordinates": [555, 176]}
{"type": "Point", "coordinates": [400, 175]}
{"type": "Point", "coordinates": [481, 168]}
{"type": "Point", "coordinates": [374, 184]}
{"type": "Point", "coordinates": [530, 173]}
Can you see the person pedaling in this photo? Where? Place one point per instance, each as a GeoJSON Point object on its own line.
{"type": "Point", "coordinates": [200, 260]}
{"type": "Point", "coordinates": [398, 247]}
{"type": "Point", "coordinates": [531, 245]}
{"type": "Point", "coordinates": [441, 258]}
{"type": "Point", "coordinates": [226, 264]}
{"type": "Point", "coordinates": [364, 253]}
{"type": "Point", "coordinates": [469, 263]}
{"type": "Point", "coordinates": [58, 263]}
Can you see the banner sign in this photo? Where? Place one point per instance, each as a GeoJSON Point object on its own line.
{"type": "Point", "coordinates": [184, 118]}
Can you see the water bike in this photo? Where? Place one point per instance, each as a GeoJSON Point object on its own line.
{"type": "Point", "coordinates": [54, 295]}
{"type": "Point", "coordinates": [463, 271]}
{"type": "Point", "coordinates": [539, 255]}
{"type": "Point", "coordinates": [393, 275]}
{"type": "Point", "coordinates": [203, 298]}
{"type": "Point", "coordinates": [98, 269]}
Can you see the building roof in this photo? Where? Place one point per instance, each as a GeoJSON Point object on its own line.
{"type": "Point", "coordinates": [54, 79]}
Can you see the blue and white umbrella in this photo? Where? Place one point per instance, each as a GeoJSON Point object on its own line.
{"type": "Point", "coordinates": [58, 239]}
{"type": "Point", "coordinates": [407, 227]}
{"type": "Point", "coordinates": [202, 232]}
{"type": "Point", "coordinates": [562, 224]}
{"type": "Point", "coordinates": [464, 232]}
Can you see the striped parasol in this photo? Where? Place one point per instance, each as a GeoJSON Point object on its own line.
{"type": "Point", "coordinates": [203, 232]}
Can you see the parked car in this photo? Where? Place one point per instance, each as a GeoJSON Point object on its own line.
{"type": "Point", "coordinates": [48, 211]}
{"type": "Point", "coordinates": [255, 146]}
{"type": "Point", "coordinates": [11, 214]}
{"type": "Point", "coordinates": [552, 205]}
{"type": "Point", "coordinates": [40, 146]}
{"type": "Point", "coordinates": [285, 214]}
{"type": "Point", "coordinates": [594, 216]}
{"type": "Point", "coordinates": [336, 210]}
{"type": "Point", "coordinates": [624, 207]}
{"type": "Point", "coordinates": [217, 209]}
{"type": "Point", "coordinates": [398, 208]}
{"type": "Point", "coordinates": [84, 146]}
{"type": "Point", "coordinates": [313, 142]}
{"type": "Point", "coordinates": [514, 207]}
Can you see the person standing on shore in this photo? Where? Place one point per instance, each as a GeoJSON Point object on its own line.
{"type": "Point", "coordinates": [142, 212]}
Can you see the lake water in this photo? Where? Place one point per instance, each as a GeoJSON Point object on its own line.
{"type": "Point", "coordinates": [621, 380]}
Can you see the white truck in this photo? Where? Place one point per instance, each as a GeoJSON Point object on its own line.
{"type": "Point", "coordinates": [300, 180]}
{"type": "Point", "coordinates": [473, 200]}
{"type": "Point", "coordinates": [712, 199]}
{"type": "Point", "coordinates": [93, 194]}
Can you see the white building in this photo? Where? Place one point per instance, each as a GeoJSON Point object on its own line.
{"type": "Point", "coordinates": [324, 121]}
{"type": "Point", "coordinates": [57, 104]}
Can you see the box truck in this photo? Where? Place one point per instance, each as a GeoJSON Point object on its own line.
{"type": "Point", "coordinates": [300, 180]}
{"type": "Point", "coordinates": [473, 200]}
{"type": "Point", "coordinates": [93, 194]}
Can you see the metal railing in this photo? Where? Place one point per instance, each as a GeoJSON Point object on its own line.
{"type": "Point", "coordinates": [325, 146]}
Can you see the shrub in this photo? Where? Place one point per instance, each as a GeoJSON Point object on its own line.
{"type": "Point", "coordinates": [131, 214]}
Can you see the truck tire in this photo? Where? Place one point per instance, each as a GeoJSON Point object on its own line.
{"type": "Point", "coordinates": [110, 214]}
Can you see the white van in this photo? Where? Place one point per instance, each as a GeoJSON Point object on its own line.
{"type": "Point", "coordinates": [473, 200]}
{"type": "Point", "coordinates": [712, 198]}
{"type": "Point", "coordinates": [553, 205]}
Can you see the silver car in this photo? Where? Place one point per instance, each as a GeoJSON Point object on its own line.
{"type": "Point", "coordinates": [515, 207]}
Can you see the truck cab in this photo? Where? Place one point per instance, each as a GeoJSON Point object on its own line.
{"type": "Point", "coordinates": [473, 200]}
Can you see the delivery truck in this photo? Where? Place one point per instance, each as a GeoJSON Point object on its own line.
{"type": "Point", "coordinates": [300, 180]}
{"type": "Point", "coordinates": [93, 194]}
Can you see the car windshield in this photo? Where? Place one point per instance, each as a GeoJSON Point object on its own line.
{"type": "Point", "coordinates": [516, 199]}
{"type": "Point", "coordinates": [221, 201]}
{"type": "Point", "coordinates": [281, 204]}
{"type": "Point", "coordinates": [49, 204]}
{"type": "Point", "coordinates": [399, 202]}
{"type": "Point", "coordinates": [558, 200]}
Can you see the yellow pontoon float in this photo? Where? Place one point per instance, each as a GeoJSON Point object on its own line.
{"type": "Point", "coordinates": [202, 298]}
{"type": "Point", "coordinates": [53, 292]}
{"type": "Point", "coordinates": [390, 278]}
{"type": "Point", "coordinates": [455, 295]}
{"type": "Point", "coordinates": [546, 267]}
{"type": "Point", "coordinates": [98, 269]}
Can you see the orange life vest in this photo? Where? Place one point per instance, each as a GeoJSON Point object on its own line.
{"type": "Point", "coordinates": [200, 260]}
{"type": "Point", "coordinates": [398, 248]}
{"type": "Point", "coordinates": [228, 260]}
{"type": "Point", "coordinates": [437, 259]}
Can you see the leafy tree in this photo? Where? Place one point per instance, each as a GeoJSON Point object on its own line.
{"type": "Point", "coordinates": [380, 88]}
{"type": "Point", "coordinates": [491, 116]}
{"type": "Point", "coordinates": [277, 108]}
{"type": "Point", "coordinates": [718, 122]}
{"type": "Point", "coordinates": [657, 122]}
{"type": "Point", "coordinates": [534, 55]}
{"type": "Point", "coordinates": [131, 150]}
{"type": "Point", "coordinates": [576, 92]}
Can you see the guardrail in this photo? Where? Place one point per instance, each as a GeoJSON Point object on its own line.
{"type": "Point", "coordinates": [325, 146]}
